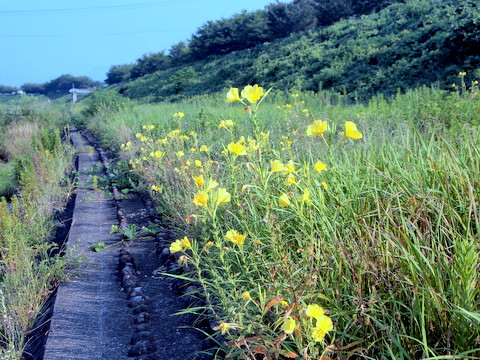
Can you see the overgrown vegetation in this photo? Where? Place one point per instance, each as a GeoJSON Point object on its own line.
{"type": "Point", "coordinates": [38, 163]}
{"type": "Point", "coordinates": [318, 230]}
{"type": "Point", "coordinates": [405, 45]}
{"type": "Point", "coordinates": [246, 30]}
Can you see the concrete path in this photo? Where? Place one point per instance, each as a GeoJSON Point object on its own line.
{"type": "Point", "coordinates": [90, 319]}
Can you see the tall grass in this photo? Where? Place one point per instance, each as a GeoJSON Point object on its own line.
{"type": "Point", "coordinates": [27, 272]}
{"type": "Point", "coordinates": [385, 239]}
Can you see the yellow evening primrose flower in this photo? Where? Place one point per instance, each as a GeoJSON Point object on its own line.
{"type": "Point", "coordinates": [233, 95]}
{"type": "Point", "coordinates": [319, 166]}
{"type": "Point", "coordinates": [314, 311]}
{"type": "Point", "coordinates": [252, 93]}
{"type": "Point", "coordinates": [204, 148]}
{"type": "Point", "coordinates": [158, 153]}
{"type": "Point", "coordinates": [212, 184]}
{"type": "Point", "coordinates": [317, 128]}
{"type": "Point", "coordinates": [323, 326]}
{"type": "Point", "coordinates": [156, 188]}
{"type": "Point", "coordinates": [179, 114]}
{"type": "Point", "coordinates": [182, 259]}
{"type": "Point", "coordinates": [237, 148]}
{"type": "Point", "coordinates": [246, 295]}
{"type": "Point", "coordinates": [180, 154]}
{"type": "Point", "coordinates": [306, 196]}
{"type": "Point", "coordinates": [138, 135]}
{"type": "Point", "coordinates": [222, 196]}
{"type": "Point", "coordinates": [289, 325]}
{"type": "Point", "coordinates": [284, 200]}
{"type": "Point", "coordinates": [225, 124]}
{"type": "Point", "coordinates": [277, 166]}
{"type": "Point", "coordinates": [200, 198]}
{"type": "Point", "coordinates": [225, 326]}
{"type": "Point", "coordinates": [235, 237]}
{"type": "Point", "coordinates": [289, 168]}
{"type": "Point", "coordinates": [351, 130]}
{"type": "Point", "coordinates": [175, 246]}
{"type": "Point", "coordinates": [199, 180]}
{"type": "Point", "coordinates": [290, 180]}
{"type": "Point", "coordinates": [198, 163]}
{"type": "Point", "coordinates": [186, 243]}
{"type": "Point", "coordinates": [324, 185]}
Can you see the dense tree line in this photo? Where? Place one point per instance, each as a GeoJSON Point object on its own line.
{"type": "Point", "coordinates": [419, 42]}
{"type": "Point", "coordinates": [247, 30]}
{"type": "Point", "coordinates": [60, 84]}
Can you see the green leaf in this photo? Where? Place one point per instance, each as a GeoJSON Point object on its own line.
{"type": "Point", "coordinates": [97, 247]}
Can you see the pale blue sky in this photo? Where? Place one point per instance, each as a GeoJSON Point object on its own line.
{"type": "Point", "coordinates": [41, 40]}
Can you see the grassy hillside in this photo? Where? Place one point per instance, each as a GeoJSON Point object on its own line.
{"type": "Point", "coordinates": [405, 45]}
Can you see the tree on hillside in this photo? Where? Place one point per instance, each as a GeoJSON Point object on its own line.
{"type": "Point", "coordinates": [179, 53]}
{"type": "Point", "coordinates": [5, 89]}
{"type": "Point", "coordinates": [32, 88]}
{"type": "Point", "coordinates": [284, 19]}
{"type": "Point", "coordinates": [149, 63]}
{"type": "Point", "coordinates": [239, 32]}
{"type": "Point", "coordinates": [118, 74]}
{"type": "Point", "coordinates": [65, 82]}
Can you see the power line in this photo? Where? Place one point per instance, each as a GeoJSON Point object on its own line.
{"type": "Point", "coordinates": [90, 35]}
{"type": "Point", "coordinates": [93, 8]}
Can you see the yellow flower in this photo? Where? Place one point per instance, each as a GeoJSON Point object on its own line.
{"type": "Point", "coordinates": [179, 114]}
{"type": "Point", "coordinates": [325, 185]}
{"type": "Point", "coordinates": [175, 246]}
{"type": "Point", "coordinates": [289, 325]}
{"type": "Point", "coordinates": [290, 180]}
{"type": "Point", "coordinates": [225, 326]}
{"type": "Point", "coordinates": [208, 244]}
{"type": "Point", "coordinates": [289, 168]}
{"type": "Point", "coordinates": [246, 295]}
{"type": "Point", "coordinates": [317, 128]}
{"type": "Point", "coordinates": [212, 184]}
{"type": "Point", "coordinates": [232, 95]}
{"type": "Point", "coordinates": [198, 163]}
{"type": "Point", "coordinates": [199, 180]}
{"type": "Point", "coordinates": [351, 130]}
{"type": "Point", "coordinates": [182, 259]}
{"type": "Point", "coordinates": [277, 166]}
{"type": "Point", "coordinates": [252, 93]}
{"type": "Point", "coordinates": [156, 188]}
{"type": "Point", "coordinates": [222, 196]}
{"type": "Point", "coordinates": [324, 325]}
{"type": "Point", "coordinates": [235, 237]}
{"type": "Point", "coordinates": [158, 153]}
{"type": "Point", "coordinates": [180, 154]}
{"type": "Point", "coordinates": [138, 135]}
{"type": "Point", "coordinates": [204, 148]}
{"type": "Point", "coordinates": [200, 198]}
{"type": "Point", "coordinates": [306, 196]}
{"type": "Point", "coordinates": [237, 148]}
{"type": "Point", "coordinates": [185, 242]}
{"type": "Point", "coordinates": [225, 124]}
{"type": "Point", "coordinates": [319, 166]}
{"type": "Point", "coordinates": [314, 311]}
{"type": "Point", "coordinates": [283, 200]}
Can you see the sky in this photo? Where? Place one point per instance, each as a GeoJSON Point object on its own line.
{"type": "Point", "coordinates": [41, 40]}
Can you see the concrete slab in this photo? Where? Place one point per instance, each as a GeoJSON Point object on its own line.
{"type": "Point", "coordinates": [90, 319]}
